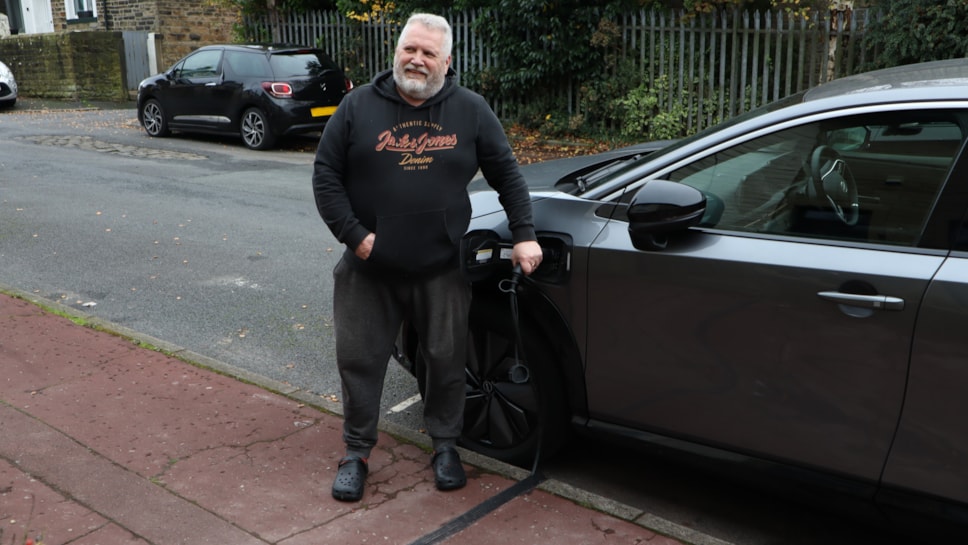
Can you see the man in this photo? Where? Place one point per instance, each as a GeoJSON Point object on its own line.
{"type": "Point", "coordinates": [390, 180]}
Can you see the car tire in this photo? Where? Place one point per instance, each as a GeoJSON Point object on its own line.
{"type": "Point", "coordinates": [153, 118]}
{"type": "Point", "coordinates": [515, 408]}
{"type": "Point", "coordinates": [255, 131]}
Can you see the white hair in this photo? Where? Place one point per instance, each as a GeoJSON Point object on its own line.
{"type": "Point", "coordinates": [433, 22]}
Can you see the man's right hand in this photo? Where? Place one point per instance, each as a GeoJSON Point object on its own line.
{"type": "Point", "coordinates": [365, 247]}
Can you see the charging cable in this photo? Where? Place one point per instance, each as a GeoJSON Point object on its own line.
{"type": "Point", "coordinates": [520, 373]}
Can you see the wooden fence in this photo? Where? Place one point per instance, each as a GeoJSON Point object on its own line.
{"type": "Point", "coordinates": [710, 67]}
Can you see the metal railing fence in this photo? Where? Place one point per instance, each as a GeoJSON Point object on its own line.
{"type": "Point", "coordinates": [710, 66]}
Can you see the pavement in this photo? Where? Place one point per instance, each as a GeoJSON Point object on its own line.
{"type": "Point", "coordinates": [111, 437]}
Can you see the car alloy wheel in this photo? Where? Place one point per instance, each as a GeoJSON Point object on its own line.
{"type": "Point", "coordinates": [255, 130]}
{"type": "Point", "coordinates": [153, 119]}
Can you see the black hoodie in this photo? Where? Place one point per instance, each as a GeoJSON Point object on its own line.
{"type": "Point", "coordinates": [401, 171]}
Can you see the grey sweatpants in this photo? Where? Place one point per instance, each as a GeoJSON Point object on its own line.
{"type": "Point", "coordinates": [368, 313]}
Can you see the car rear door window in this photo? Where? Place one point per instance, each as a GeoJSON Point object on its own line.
{"type": "Point", "coordinates": [246, 65]}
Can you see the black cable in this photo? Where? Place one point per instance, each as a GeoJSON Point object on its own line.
{"type": "Point", "coordinates": [511, 288]}
{"type": "Point", "coordinates": [464, 521]}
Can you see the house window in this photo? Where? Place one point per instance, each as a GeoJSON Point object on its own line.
{"type": "Point", "coordinates": [80, 9]}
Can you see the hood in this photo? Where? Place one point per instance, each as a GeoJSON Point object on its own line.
{"type": "Point", "coordinates": [553, 175]}
{"type": "Point", "coordinates": [556, 176]}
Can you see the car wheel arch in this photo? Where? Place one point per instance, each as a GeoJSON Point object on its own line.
{"type": "Point", "coordinates": [551, 359]}
{"type": "Point", "coordinates": [537, 308]}
{"type": "Point", "coordinates": [244, 106]}
{"type": "Point", "coordinates": [497, 369]}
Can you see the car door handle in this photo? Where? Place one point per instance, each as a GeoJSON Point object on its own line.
{"type": "Point", "coordinates": [876, 302]}
{"type": "Point", "coordinates": [211, 84]}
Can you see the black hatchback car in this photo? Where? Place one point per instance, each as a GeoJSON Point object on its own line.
{"type": "Point", "coordinates": [260, 92]}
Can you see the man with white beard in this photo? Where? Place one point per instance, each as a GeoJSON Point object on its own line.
{"type": "Point", "coordinates": [390, 181]}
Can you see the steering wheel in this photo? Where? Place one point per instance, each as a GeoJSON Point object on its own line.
{"type": "Point", "coordinates": [833, 181]}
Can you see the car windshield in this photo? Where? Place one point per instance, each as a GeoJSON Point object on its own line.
{"type": "Point", "coordinates": [617, 169]}
{"type": "Point", "coordinates": [300, 64]}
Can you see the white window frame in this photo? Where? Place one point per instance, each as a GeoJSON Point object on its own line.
{"type": "Point", "coordinates": [71, 7]}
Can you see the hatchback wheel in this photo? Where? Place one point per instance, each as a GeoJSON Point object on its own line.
{"type": "Point", "coordinates": [153, 119]}
{"type": "Point", "coordinates": [255, 130]}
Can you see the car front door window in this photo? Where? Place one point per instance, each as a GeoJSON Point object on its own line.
{"type": "Point", "coordinates": [869, 178]}
{"type": "Point", "coordinates": [202, 65]}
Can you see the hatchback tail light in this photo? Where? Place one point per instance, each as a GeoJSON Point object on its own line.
{"type": "Point", "coordinates": [349, 84]}
{"type": "Point", "coordinates": [278, 89]}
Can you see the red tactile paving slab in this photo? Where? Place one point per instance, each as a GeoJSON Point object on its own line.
{"type": "Point", "coordinates": [29, 508]}
{"type": "Point", "coordinates": [540, 517]}
{"type": "Point", "coordinates": [405, 512]}
{"type": "Point", "coordinates": [109, 535]}
{"type": "Point", "coordinates": [106, 443]}
{"type": "Point", "coordinates": [143, 409]}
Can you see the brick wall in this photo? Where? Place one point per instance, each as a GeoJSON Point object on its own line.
{"type": "Point", "coordinates": [184, 25]}
{"type": "Point", "coordinates": [132, 15]}
{"type": "Point", "coordinates": [69, 66]}
{"type": "Point", "coordinates": [84, 59]}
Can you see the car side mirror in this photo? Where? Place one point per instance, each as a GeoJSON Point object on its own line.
{"type": "Point", "coordinates": [848, 139]}
{"type": "Point", "coordinates": [661, 207]}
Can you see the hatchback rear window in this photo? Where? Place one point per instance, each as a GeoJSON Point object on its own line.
{"type": "Point", "coordinates": [300, 65]}
{"type": "Point", "coordinates": [246, 64]}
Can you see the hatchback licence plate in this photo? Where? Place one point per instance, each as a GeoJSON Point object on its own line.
{"type": "Point", "coordinates": [322, 111]}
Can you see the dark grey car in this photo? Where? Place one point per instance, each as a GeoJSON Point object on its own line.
{"type": "Point", "coordinates": [786, 291]}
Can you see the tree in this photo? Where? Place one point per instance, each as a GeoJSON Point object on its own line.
{"type": "Point", "coordinates": [910, 31]}
{"type": "Point", "coordinates": [800, 7]}
{"type": "Point", "coordinates": [256, 7]}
